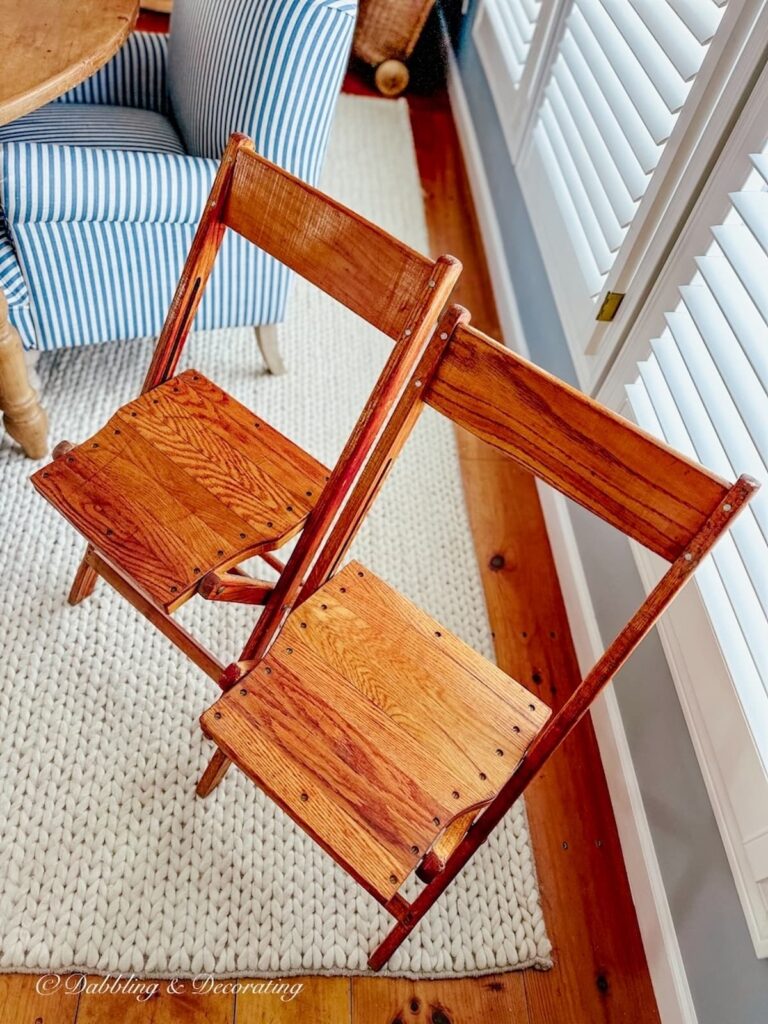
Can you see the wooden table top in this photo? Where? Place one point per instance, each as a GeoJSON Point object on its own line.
{"type": "Point", "coordinates": [49, 46]}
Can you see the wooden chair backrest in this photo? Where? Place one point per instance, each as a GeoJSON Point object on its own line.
{"type": "Point", "coordinates": [599, 459]}
{"type": "Point", "coordinates": [375, 275]}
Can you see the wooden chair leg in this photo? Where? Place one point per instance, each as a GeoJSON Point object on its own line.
{"type": "Point", "coordinates": [83, 583]}
{"type": "Point", "coordinates": [213, 774]}
{"type": "Point", "coordinates": [24, 417]}
{"type": "Point", "coordinates": [392, 942]}
{"type": "Point", "coordinates": [266, 335]}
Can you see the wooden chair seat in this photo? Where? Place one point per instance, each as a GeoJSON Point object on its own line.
{"type": "Point", "coordinates": [181, 481]}
{"type": "Point", "coordinates": [374, 739]}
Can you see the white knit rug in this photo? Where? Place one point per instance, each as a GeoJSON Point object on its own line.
{"type": "Point", "coordinates": [108, 862]}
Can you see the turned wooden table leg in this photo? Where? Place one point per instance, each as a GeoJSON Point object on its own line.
{"type": "Point", "coordinates": [24, 417]}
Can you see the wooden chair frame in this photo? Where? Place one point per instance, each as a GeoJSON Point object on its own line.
{"type": "Point", "coordinates": [631, 480]}
{"type": "Point", "coordinates": [398, 290]}
{"type": "Point", "coordinates": [607, 464]}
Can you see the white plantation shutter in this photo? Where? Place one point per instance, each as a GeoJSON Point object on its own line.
{"type": "Point", "coordinates": [705, 389]}
{"type": "Point", "coordinates": [621, 74]}
{"type": "Point", "coordinates": [516, 22]}
{"type": "Point", "coordinates": [511, 36]}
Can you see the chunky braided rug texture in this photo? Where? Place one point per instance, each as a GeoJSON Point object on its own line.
{"type": "Point", "coordinates": [108, 862]}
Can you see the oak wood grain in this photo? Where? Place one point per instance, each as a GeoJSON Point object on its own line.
{"type": "Point", "coordinates": [374, 740]}
{"type": "Point", "coordinates": [49, 46]}
{"type": "Point", "coordinates": [630, 479]}
{"type": "Point", "coordinates": [181, 481]}
{"type": "Point", "coordinates": [375, 275]}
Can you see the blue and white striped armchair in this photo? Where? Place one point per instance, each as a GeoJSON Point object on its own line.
{"type": "Point", "coordinates": [102, 189]}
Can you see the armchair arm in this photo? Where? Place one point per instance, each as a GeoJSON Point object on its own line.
{"type": "Point", "coordinates": [135, 77]}
{"type": "Point", "coordinates": [46, 184]}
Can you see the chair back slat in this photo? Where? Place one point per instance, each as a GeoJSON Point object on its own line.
{"type": "Point", "coordinates": [592, 455]}
{"type": "Point", "coordinates": [375, 275]}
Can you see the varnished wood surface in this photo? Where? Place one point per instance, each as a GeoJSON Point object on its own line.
{"type": "Point", "coordinates": [499, 1000]}
{"type": "Point", "coordinates": [374, 740]}
{"type": "Point", "coordinates": [632, 480]}
{"type": "Point", "coordinates": [49, 46]}
{"type": "Point", "coordinates": [380, 278]}
{"type": "Point", "coordinates": [600, 975]}
{"type": "Point", "coordinates": [181, 481]}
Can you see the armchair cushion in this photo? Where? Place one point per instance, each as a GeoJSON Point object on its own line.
{"type": "Point", "coordinates": [85, 124]}
{"type": "Point", "coordinates": [135, 77]}
{"type": "Point", "coordinates": [101, 236]}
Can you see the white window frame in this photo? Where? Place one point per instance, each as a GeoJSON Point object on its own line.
{"type": "Point", "coordinates": [735, 776]}
{"type": "Point", "coordinates": [515, 102]}
{"type": "Point", "coordinates": [729, 65]}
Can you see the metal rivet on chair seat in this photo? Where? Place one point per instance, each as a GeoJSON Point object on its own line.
{"type": "Point", "coordinates": [455, 794]}
{"type": "Point", "coordinates": [217, 714]}
{"type": "Point", "coordinates": [532, 707]}
{"type": "Point", "coordinates": [243, 693]}
{"type": "Point", "coordinates": [515, 728]}
{"type": "Point", "coordinates": [499, 752]}
{"type": "Point", "coordinates": [304, 797]}
{"type": "Point", "coordinates": [436, 821]}
{"type": "Point", "coordinates": [269, 525]}
{"type": "Point", "coordinates": [414, 850]}
{"type": "Point", "coordinates": [220, 552]}
{"type": "Point", "coordinates": [242, 536]}
{"type": "Point", "coordinates": [483, 776]}
{"type": "Point", "coordinates": [438, 633]}
{"type": "Point", "coordinates": [289, 508]}
{"type": "Point", "coordinates": [393, 878]}
{"type": "Point", "coordinates": [173, 589]}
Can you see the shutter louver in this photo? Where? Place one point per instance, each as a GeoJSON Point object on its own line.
{"type": "Point", "coordinates": [704, 389]}
{"type": "Point", "coordinates": [622, 72]}
{"type": "Point", "coordinates": [515, 23]}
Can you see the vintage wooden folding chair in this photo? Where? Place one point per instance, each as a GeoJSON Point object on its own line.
{"type": "Point", "coordinates": [393, 744]}
{"type": "Point", "coordinates": [184, 483]}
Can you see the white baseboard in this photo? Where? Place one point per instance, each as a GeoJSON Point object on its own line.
{"type": "Point", "coordinates": [662, 950]}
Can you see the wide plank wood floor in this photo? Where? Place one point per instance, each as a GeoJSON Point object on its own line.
{"type": "Point", "coordinates": [600, 974]}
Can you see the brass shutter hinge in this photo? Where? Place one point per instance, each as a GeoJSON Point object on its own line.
{"type": "Point", "coordinates": [609, 306]}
